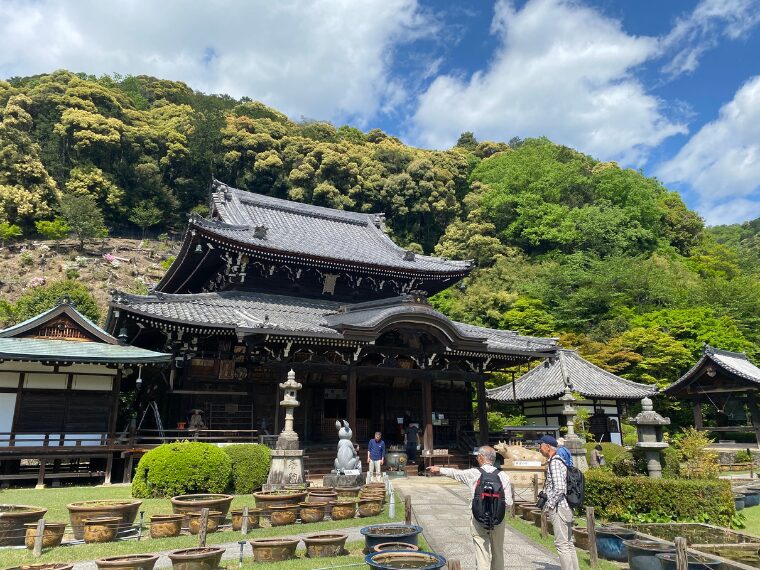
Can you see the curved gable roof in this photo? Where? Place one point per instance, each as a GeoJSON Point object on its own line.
{"type": "Point", "coordinates": [548, 380]}
{"type": "Point", "coordinates": [315, 231]}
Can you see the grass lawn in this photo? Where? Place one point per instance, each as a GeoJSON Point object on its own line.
{"type": "Point", "coordinates": [534, 533]}
{"type": "Point", "coordinates": [55, 500]}
{"type": "Point", "coordinates": [752, 522]}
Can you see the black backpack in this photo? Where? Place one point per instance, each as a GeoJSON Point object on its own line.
{"type": "Point", "coordinates": [488, 504]}
{"type": "Point", "coordinates": [575, 485]}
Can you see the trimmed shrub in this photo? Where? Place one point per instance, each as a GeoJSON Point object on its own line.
{"type": "Point", "coordinates": [181, 469]}
{"type": "Point", "coordinates": [624, 498]}
{"type": "Point", "coordinates": [250, 466]}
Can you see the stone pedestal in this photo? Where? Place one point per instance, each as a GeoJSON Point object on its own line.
{"type": "Point", "coordinates": [287, 468]}
{"type": "Point", "coordinates": [574, 445]}
{"type": "Point", "coordinates": [336, 480]}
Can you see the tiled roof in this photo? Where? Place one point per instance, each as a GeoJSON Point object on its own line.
{"type": "Point", "coordinates": [280, 314]}
{"type": "Point", "coordinates": [235, 310]}
{"type": "Point", "coordinates": [303, 229]}
{"type": "Point", "coordinates": [735, 363]}
{"type": "Point", "coordinates": [33, 349]}
{"type": "Point", "coordinates": [64, 306]}
{"type": "Point", "coordinates": [548, 380]}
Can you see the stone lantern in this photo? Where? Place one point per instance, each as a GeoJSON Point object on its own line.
{"type": "Point", "coordinates": [649, 427]}
{"type": "Point", "coordinates": [287, 458]}
{"type": "Point", "coordinates": [573, 442]}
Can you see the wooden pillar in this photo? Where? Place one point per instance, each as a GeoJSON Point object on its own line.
{"type": "Point", "coordinates": [697, 407]}
{"type": "Point", "coordinates": [754, 414]}
{"type": "Point", "coordinates": [351, 400]}
{"type": "Point", "coordinates": [482, 413]}
{"type": "Point", "coordinates": [427, 414]}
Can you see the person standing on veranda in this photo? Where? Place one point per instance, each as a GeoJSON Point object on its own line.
{"type": "Point", "coordinates": [559, 511]}
{"type": "Point", "coordinates": [489, 544]}
{"type": "Point", "coordinates": [375, 456]}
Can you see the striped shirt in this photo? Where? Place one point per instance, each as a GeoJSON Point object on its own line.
{"type": "Point", "coordinates": [555, 485]}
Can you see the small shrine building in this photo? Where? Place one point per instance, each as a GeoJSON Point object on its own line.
{"type": "Point", "coordinates": [538, 392]}
{"type": "Point", "coordinates": [727, 381]}
{"type": "Point", "coordinates": [266, 285]}
{"type": "Point", "coordinates": [60, 379]}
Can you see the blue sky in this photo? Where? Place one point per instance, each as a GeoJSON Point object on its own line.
{"type": "Point", "coordinates": [668, 87]}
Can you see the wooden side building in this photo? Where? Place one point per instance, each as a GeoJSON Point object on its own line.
{"type": "Point", "coordinates": [60, 379]}
{"type": "Point", "coordinates": [603, 394]}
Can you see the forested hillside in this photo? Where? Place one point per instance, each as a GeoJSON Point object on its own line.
{"type": "Point", "coordinates": [604, 257]}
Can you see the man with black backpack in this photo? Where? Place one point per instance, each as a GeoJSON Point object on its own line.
{"type": "Point", "coordinates": [557, 499]}
{"type": "Point", "coordinates": [492, 495]}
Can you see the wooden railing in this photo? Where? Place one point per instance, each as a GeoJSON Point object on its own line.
{"type": "Point", "coordinates": [23, 440]}
{"type": "Point", "coordinates": [153, 437]}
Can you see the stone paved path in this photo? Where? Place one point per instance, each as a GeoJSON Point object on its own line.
{"type": "Point", "coordinates": [441, 506]}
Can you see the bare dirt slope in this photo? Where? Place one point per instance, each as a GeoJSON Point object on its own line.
{"type": "Point", "coordinates": [130, 265]}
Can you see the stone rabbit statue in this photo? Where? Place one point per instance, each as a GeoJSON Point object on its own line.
{"type": "Point", "coordinates": [347, 456]}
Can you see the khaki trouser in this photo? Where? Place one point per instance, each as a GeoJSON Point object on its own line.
{"type": "Point", "coordinates": [374, 472]}
{"type": "Point", "coordinates": [489, 546]}
{"type": "Point", "coordinates": [562, 522]}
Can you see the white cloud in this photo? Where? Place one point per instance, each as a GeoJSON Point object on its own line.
{"type": "Point", "coordinates": [562, 70]}
{"type": "Point", "coordinates": [328, 59]}
{"type": "Point", "coordinates": [701, 30]}
{"type": "Point", "coordinates": [721, 162]}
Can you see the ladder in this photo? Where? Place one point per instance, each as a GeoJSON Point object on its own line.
{"type": "Point", "coordinates": [152, 406]}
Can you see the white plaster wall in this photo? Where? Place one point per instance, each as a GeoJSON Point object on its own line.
{"type": "Point", "coordinates": [7, 408]}
{"type": "Point", "coordinates": [45, 381]}
{"type": "Point", "coordinates": [101, 383]}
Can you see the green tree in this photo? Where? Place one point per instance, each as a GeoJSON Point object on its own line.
{"type": "Point", "coordinates": [145, 215]}
{"type": "Point", "coordinates": [55, 230]}
{"type": "Point", "coordinates": [467, 140]}
{"type": "Point", "coordinates": [27, 191]}
{"type": "Point", "coordinates": [82, 215]}
{"type": "Point", "coordinates": [8, 232]}
{"type": "Point", "coordinates": [46, 297]}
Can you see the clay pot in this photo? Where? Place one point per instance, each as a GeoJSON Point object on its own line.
{"type": "Point", "coordinates": [274, 549]}
{"type": "Point", "coordinates": [348, 493]}
{"type": "Point", "coordinates": [52, 536]}
{"type": "Point", "coordinates": [534, 516]}
{"type": "Point", "coordinates": [253, 518]}
{"type": "Point", "coordinates": [214, 520]}
{"type": "Point", "coordinates": [392, 532]}
{"type": "Point", "coordinates": [322, 497]}
{"type": "Point", "coordinates": [395, 546]}
{"type": "Point", "coordinates": [283, 515]}
{"type": "Point", "coordinates": [45, 566]}
{"type": "Point", "coordinates": [166, 526]}
{"type": "Point", "coordinates": [370, 507]}
{"type": "Point", "coordinates": [525, 509]}
{"type": "Point", "coordinates": [405, 559]}
{"type": "Point", "coordinates": [266, 499]}
{"type": "Point", "coordinates": [580, 537]}
{"type": "Point", "coordinates": [312, 511]}
{"type": "Point", "coordinates": [12, 521]}
{"type": "Point", "coordinates": [342, 510]}
{"type": "Point", "coordinates": [191, 503]}
{"type": "Point", "coordinates": [126, 510]}
{"type": "Point", "coordinates": [325, 545]}
{"type": "Point", "coordinates": [128, 562]}
{"type": "Point", "coordinates": [199, 558]}
{"type": "Point", "coordinates": [101, 529]}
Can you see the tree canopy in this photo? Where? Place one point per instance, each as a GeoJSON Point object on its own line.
{"type": "Point", "coordinates": [609, 260]}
